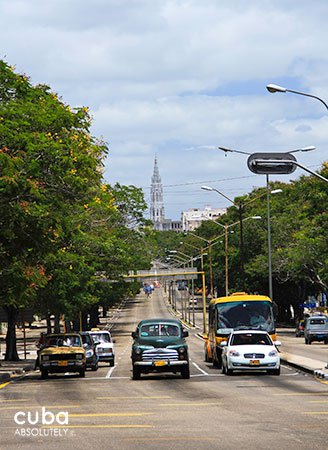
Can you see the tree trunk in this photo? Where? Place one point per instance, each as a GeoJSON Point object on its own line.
{"type": "Point", "coordinates": [57, 324]}
{"type": "Point", "coordinates": [94, 317]}
{"type": "Point", "coordinates": [11, 342]}
{"type": "Point", "coordinates": [49, 327]}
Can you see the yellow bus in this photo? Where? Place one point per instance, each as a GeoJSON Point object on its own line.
{"type": "Point", "coordinates": [239, 311]}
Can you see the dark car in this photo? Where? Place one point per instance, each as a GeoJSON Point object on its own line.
{"type": "Point", "coordinates": [316, 329]}
{"type": "Point", "coordinates": [90, 351]}
{"type": "Point", "coordinates": [160, 346]}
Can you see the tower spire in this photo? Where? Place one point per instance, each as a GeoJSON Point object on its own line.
{"type": "Point", "coordinates": [156, 199]}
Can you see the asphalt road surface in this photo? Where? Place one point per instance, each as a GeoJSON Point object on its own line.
{"type": "Point", "coordinates": [108, 410]}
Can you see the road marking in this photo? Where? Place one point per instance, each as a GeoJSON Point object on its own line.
{"type": "Point", "coordinates": [134, 398]}
{"type": "Point", "coordinates": [100, 426]}
{"type": "Point", "coordinates": [201, 370]}
{"type": "Point", "coordinates": [191, 404]}
{"type": "Point", "coordinates": [303, 393]}
{"type": "Point", "coordinates": [17, 400]}
{"type": "Point", "coordinates": [314, 413]}
{"type": "Point", "coordinates": [42, 406]}
{"type": "Point", "coordinates": [110, 372]}
{"type": "Point", "coordinates": [4, 384]}
{"type": "Point", "coordinates": [110, 414]}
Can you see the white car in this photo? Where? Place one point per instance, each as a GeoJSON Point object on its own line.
{"type": "Point", "coordinates": [250, 350]}
{"type": "Point", "coordinates": [105, 349]}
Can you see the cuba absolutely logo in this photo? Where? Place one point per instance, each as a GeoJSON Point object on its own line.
{"type": "Point", "coordinates": [41, 423]}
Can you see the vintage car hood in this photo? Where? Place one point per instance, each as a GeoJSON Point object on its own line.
{"type": "Point", "coordinates": [61, 350]}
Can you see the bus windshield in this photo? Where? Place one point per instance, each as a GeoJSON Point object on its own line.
{"type": "Point", "coordinates": [239, 315]}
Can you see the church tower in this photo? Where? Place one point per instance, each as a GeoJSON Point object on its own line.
{"type": "Point", "coordinates": [156, 199]}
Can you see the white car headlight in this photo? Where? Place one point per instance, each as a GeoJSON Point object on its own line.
{"type": "Point", "coordinates": [89, 353]}
{"type": "Point", "coordinates": [273, 353]}
{"type": "Point", "coordinates": [233, 353]}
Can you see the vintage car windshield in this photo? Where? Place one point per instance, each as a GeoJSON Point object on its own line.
{"type": "Point", "coordinates": [63, 341]}
{"type": "Point", "coordinates": [250, 339]}
{"type": "Point", "coordinates": [101, 337]}
{"type": "Point", "coordinates": [245, 315]}
{"type": "Point", "coordinates": [159, 329]}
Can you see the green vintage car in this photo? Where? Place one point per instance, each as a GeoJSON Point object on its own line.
{"type": "Point", "coordinates": [159, 346]}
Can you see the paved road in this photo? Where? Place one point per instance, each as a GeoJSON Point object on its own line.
{"type": "Point", "coordinates": [210, 411]}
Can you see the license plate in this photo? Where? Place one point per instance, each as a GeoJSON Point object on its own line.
{"type": "Point", "coordinates": [160, 363]}
{"type": "Point", "coordinates": [62, 363]}
{"type": "Point", "coordinates": [254, 362]}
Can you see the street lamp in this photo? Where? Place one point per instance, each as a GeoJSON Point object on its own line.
{"type": "Point", "coordinates": [240, 206]}
{"type": "Point", "coordinates": [209, 243]}
{"type": "Point", "coordinates": [226, 227]}
{"type": "Point", "coordinates": [276, 88]}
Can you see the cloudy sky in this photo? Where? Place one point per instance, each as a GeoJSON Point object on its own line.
{"type": "Point", "coordinates": [177, 79]}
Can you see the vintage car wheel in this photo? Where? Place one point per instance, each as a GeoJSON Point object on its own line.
{"type": "Point", "coordinates": [112, 363]}
{"type": "Point", "coordinates": [135, 373]}
{"type": "Point", "coordinates": [82, 373]}
{"type": "Point", "coordinates": [44, 374]}
{"type": "Point", "coordinates": [95, 367]}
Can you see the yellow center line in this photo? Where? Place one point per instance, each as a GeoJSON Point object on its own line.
{"type": "Point", "coordinates": [313, 413]}
{"type": "Point", "coordinates": [4, 384]}
{"type": "Point", "coordinates": [190, 404]}
{"type": "Point", "coordinates": [109, 414]}
{"type": "Point", "coordinates": [134, 398]}
{"type": "Point", "coordinates": [318, 401]}
{"type": "Point", "coordinates": [324, 394]}
{"type": "Point", "coordinates": [17, 400]}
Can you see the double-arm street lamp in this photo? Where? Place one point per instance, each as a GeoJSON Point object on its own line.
{"type": "Point", "coordinates": [276, 88]}
{"type": "Point", "coordinates": [226, 228]}
{"type": "Point", "coordinates": [240, 206]}
{"type": "Point", "coordinates": [209, 243]}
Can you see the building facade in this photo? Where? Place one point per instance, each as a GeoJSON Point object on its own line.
{"type": "Point", "coordinates": [194, 217]}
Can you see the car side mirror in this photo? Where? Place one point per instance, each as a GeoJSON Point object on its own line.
{"type": "Point", "coordinates": [277, 343]}
{"type": "Point", "coordinates": [134, 335]}
{"type": "Point", "coordinates": [96, 343]}
{"type": "Point", "coordinates": [223, 344]}
{"type": "Point", "coordinates": [85, 345]}
{"type": "Point", "coordinates": [185, 333]}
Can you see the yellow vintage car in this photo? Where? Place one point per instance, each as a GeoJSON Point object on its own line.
{"type": "Point", "coordinates": [62, 353]}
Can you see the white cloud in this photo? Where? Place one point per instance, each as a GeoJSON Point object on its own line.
{"type": "Point", "coordinates": [162, 76]}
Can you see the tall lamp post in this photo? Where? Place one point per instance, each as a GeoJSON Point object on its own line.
{"type": "Point", "coordinates": [276, 88]}
{"type": "Point", "coordinates": [226, 228]}
{"type": "Point", "coordinates": [209, 243]}
{"type": "Point", "coordinates": [240, 206]}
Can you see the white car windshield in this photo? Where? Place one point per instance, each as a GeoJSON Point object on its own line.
{"type": "Point", "coordinates": [101, 337]}
{"type": "Point", "coordinates": [250, 339]}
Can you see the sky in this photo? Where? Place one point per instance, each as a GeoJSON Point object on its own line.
{"type": "Point", "coordinates": [176, 79]}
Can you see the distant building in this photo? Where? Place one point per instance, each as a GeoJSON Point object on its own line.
{"type": "Point", "coordinates": [157, 212]}
{"type": "Point", "coordinates": [194, 217]}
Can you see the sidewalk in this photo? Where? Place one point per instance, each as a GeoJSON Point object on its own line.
{"type": "Point", "coordinates": [13, 369]}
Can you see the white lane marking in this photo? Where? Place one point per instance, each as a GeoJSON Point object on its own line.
{"type": "Point", "coordinates": [109, 373]}
{"type": "Point", "coordinates": [201, 370]}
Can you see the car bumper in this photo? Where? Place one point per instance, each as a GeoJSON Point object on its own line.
{"type": "Point", "coordinates": [249, 365]}
{"type": "Point", "coordinates": [160, 364]}
{"type": "Point", "coordinates": [57, 367]}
